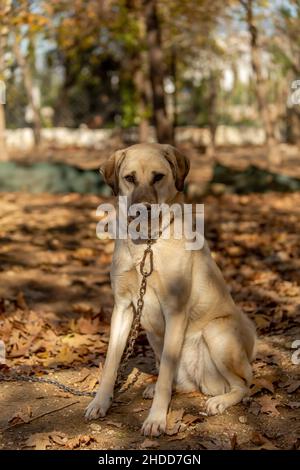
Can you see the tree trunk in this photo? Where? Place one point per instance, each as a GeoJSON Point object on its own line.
{"type": "Point", "coordinates": [293, 126]}
{"type": "Point", "coordinates": [3, 42]}
{"type": "Point", "coordinates": [163, 125]}
{"type": "Point", "coordinates": [212, 112]}
{"type": "Point", "coordinates": [141, 85]}
{"type": "Point", "coordinates": [260, 87]}
{"type": "Point", "coordinates": [173, 70]}
{"type": "Point", "coordinates": [3, 150]}
{"type": "Point", "coordinates": [28, 82]}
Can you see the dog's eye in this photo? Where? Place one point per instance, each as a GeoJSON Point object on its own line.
{"type": "Point", "coordinates": [130, 178]}
{"type": "Point", "coordinates": [157, 177]}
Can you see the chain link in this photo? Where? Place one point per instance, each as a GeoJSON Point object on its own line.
{"type": "Point", "coordinates": [136, 324]}
{"type": "Point", "coordinates": [31, 379]}
{"type": "Point", "coordinates": [134, 332]}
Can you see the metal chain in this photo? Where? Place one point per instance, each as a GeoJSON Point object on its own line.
{"type": "Point", "coordinates": [136, 324]}
{"type": "Point", "coordinates": [25, 378]}
{"type": "Point", "coordinates": [135, 329]}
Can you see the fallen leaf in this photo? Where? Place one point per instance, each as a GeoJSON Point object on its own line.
{"type": "Point", "coordinates": [262, 442]}
{"type": "Point", "coordinates": [21, 302]}
{"type": "Point", "coordinates": [114, 423]}
{"type": "Point", "coordinates": [21, 416]}
{"type": "Point", "coordinates": [260, 384]}
{"type": "Point", "coordinates": [174, 422]}
{"type": "Point", "coordinates": [89, 382]}
{"type": "Point", "coordinates": [40, 441]}
{"type": "Point", "coordinates": [139, 409]}
{"type": "Point", "coordinates": [254, 408]}
{"type": "Point", "coordinates": [211, 444]}
{"type": "Point", "coordinates": [88, 326]}
{"type": "Point", "coordinates": [149, 444]}
{"type": "Point", "coordinates": [59, 438]}
{"type": "Point", "coordinates": [189, 419]}
{"type": "Point", "coordinates": [78, 441]}
{"type": "Point", "coordinates": [83, 254]}
{"type": "Point", "coordinates": [268, 405]}
{"type": "Point", "coordinates": [82, 307]}
{"type": "Point", "coordinates": [294, 404]}
{"type": "Point", "coordinates": [177, 437]}
{"type": "Point", "coordinates": [293, 387]}
{"type": "Point", "coordinates": [65, 356]}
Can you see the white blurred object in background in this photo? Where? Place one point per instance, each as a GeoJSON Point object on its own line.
{"type": "Point", "coordinates": [2, 352]}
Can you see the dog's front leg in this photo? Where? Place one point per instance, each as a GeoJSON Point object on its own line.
{"type": "Point", "coordinates": [156, 421]}
{"type": "Point", "coordinates": [120, 327]}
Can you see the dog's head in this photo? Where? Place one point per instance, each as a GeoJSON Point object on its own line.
{"type": "Point", "coordinates": [146, 173]}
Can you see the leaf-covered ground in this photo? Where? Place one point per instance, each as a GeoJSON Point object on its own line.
{"type": "Point", "coordinates": [55, 305]}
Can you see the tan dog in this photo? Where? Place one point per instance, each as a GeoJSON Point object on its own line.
{"type": "Point", "coordinates": [201, 340]}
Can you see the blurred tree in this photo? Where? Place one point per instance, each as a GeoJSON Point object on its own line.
{"type": "Point", "coordinates": [194, 58]}
{"type": "Point", "coordinates": [261, 83]}
{"type": "Point", "coordinates": [163, 124]}
{"type": "Point", "coordinates": [25, 23]}
{"type": "Point", "coordinates": [87, 52]}
{"type": "Point", "coordinates": [24, 65]}
{"type": "Point", "coordinates": [5, 8]}
{"type": "Point", "coordinates": [286, 49]}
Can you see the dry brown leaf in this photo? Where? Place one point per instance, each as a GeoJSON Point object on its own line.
{"type": "Point", "coordinates": [293, 387]}
{"type": "Point", "coordinates": [262, 321]}
{"type": "Point", "coordinates": [262, 442]}
{"type": "Point", "coordinates": [174, 422]}
{"type": "Point", "coordinates": [82, 307]}
{"type": "Point", "coordinates": [39, 440]}
{"type": "Point", "coordinates": [88, 381]}
{"type": "Point", "coordinates": [268, 405]}
{"type": "Point", "coordinates": [139, 409]}
{"type": "Point", "coordinates": [149, 444]}
{"type": "Point", "coordinates": [83, 253]}
{"type": "Point", "coordinates": [189, 419]}
{"type": "Point", "coordinates": [88, 326]}
{"type": "Point", "coordinates": [21, 416]}
{"type": "Point", "coordinates": [254, 408]}
{"type": "Point", "coordinates": [177, 437]}
{"type": "Point", "coordinates": [21, 302]}
{"type": "Point", "coordinates": [58, 437]}
{"type": "Point", "coordinates": [78, 441]}
{"type": "Point", "coordinates": [65, 356]}
{"type": "Point", "coordinates": [294, 404]}
{"type": "Point", "coordinates": [211, 444]}
{"type": "Point", "coordinates": [260, 384]}
{"type": "Point", "coordinates": [114, 423]}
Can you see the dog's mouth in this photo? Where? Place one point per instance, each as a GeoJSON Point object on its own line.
{"type": "Point", "coordinates": [144, 213]}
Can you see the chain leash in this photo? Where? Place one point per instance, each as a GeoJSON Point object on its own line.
{"type": "Point", "coordinates": [136, 324]}
{"type": "Point", "coordinates": [135, 329]}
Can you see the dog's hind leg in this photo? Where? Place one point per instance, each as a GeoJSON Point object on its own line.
{"type": "Point", "coordinates": [227, 351]}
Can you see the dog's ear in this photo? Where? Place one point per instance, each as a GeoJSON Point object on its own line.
{"type": "Point", "coordinates": [110, 169]}
{"type": "Point", "coordinates": [179, 163]}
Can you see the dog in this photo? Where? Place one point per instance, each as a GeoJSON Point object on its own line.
{"type": "Point", "coordinates": [201, 340]}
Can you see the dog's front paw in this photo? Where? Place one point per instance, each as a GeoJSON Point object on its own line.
{"type": "Point", "coordinates": [97, 408]}
{"type": "Point", "coordinates": [154, 425]}
{"type": "Point", "coordinates": [216, 405]}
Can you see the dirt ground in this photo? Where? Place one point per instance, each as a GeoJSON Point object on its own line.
{"type": "Point", "coordinates": [55, 306]}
